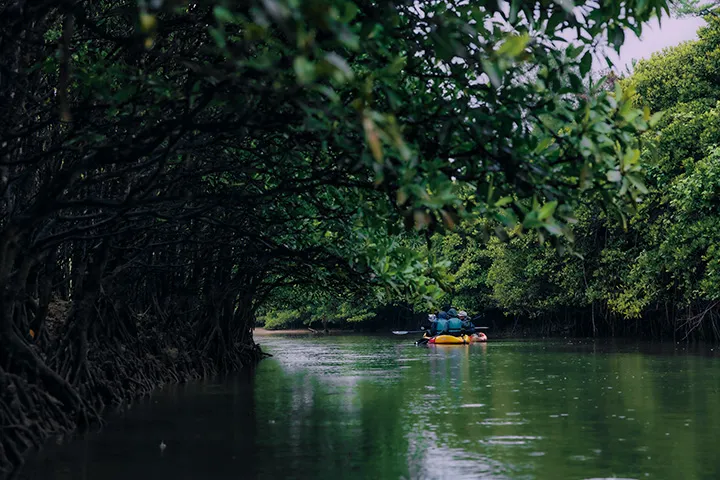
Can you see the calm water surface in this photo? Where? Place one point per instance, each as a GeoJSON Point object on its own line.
{"type": "Point", "coordinates": [378, 407]}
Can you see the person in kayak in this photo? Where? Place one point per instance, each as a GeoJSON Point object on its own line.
{"type": "Point", "coordinates": [441, 325]}
{"type": "Point", "coordinates": [468, 327]}
{"type": "Point", "coordinates": [455, 325]}
{"type": "Point", "coordinates": [430, 325]}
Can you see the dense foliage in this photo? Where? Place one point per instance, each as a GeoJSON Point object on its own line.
{"type": "Point", "coordinates": [658, 276]}
{"type": "Point", "coordinates": [166, 167]}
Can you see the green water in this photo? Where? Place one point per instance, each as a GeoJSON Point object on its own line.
{"type": "Point", "coordinates": [378, 407]}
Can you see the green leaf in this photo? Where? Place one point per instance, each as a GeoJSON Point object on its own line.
{"type": "Point", "coordinates": [554, 228]}
{"type": "Point", "coordinates": [586, 63]}
{"type": "Point", "coordinates": [493, 72]}
{"type": "Point", "coordinates": [556, 19]}
{"type": "Point", "coordinates": [304, 70]}
{"type": "Point", "coordinates": [340, 64]}
{"type": "Point", "coordinates": [350, 10]}
{"type": "Point", "coordinates": [223, 15]}
{"type": "Point", "coordinates": [329, 93]}
{"type": "Point", "coordinates": [655, 118]}
{"type": "Point", "coordinates": [631, 157]}
{"type": "Point", "coordinates": [573, 51]}
{"type": "Point", "coordinates": [218, 36]}
{"type": "Point", "coordinates": [504, 201]}
{"type": "Point", "coordinates": [544, 144]}
{"type": "Point", "coordinates": [531, 220]}
{"type": "Point", "coordinates": [575, 82]}
{"type": "Point", "coordinates": [617, 37]}
{"type": "Point", "coordinates": [547, 210]}
{"type": "Point", "coordinates": [397, 65]}
{"type": "Point", "coordinates": [514, 10]}
{"type": "Point", "coordinates": [637, 183]}
{"type": "Point", "coordinates": [514, 45]}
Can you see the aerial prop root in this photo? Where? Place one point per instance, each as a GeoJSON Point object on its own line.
{"type": "Point", "coordinates": [28, 415]}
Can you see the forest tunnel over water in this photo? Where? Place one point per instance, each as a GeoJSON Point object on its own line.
{"type": "Point", "coordinates": [175, 174]}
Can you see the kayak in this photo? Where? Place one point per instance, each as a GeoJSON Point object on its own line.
{"type": "Point", "coordinates": [457, 340]}
{"type": "Point", "coordinates": [450, 340]}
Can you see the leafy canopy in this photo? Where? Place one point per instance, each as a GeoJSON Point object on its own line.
{"type": "Point", "coordinates": [307, 134]}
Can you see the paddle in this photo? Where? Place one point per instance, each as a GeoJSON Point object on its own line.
{"type": "Point", "coordinates": [405, 332]}
{"type": "Point", "coordinates": [425, 340]}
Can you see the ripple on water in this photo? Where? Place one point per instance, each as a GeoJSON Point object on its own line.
{"type": "Point", "coordinates": [509, 440]}
{"type": "Point", "coordinates": [579, 458]}
{"type": "Point", "coordinates": [501, 422]}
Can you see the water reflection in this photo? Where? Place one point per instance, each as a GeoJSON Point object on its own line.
{"type": "Point", "coordinates": [374, 407]}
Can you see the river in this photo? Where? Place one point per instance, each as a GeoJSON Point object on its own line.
{"type": "Point", "coordinates": [373, 407]}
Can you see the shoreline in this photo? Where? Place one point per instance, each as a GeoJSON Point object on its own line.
{"type": "Point", "coordinates": [261, 332]}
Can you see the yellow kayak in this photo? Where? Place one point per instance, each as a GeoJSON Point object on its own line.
{"type": "Point", "coordinates": [450, 340]}
{"type": "Point", "coordinates": [457, 340]}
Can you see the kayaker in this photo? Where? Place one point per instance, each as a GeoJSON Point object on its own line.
{"type": "Point", "coordinates": [441, 325]}
{"type": "Point", "coordinates": [430, 326]}
{"type": "Point", "coordinates": [455, 325]}
{"type": "Point", "coordinates": [468, 326]}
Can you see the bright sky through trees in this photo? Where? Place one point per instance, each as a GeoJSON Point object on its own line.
{"type": "Point", "coordinates": [668, 33]}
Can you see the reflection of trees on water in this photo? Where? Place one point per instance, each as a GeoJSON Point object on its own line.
{"type": "Point", "coordinates": [512, 409]}
{"type": "Point", "coordinates": [358, 411]}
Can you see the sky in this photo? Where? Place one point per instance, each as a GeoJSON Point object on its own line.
{"type": "Point", "coordinates": [672, 31]}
